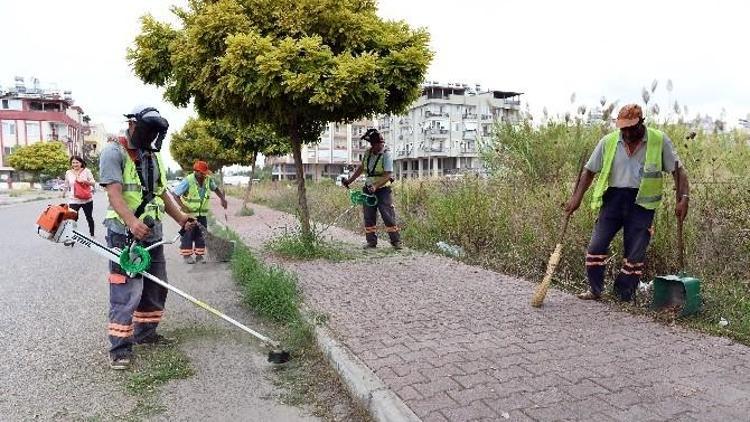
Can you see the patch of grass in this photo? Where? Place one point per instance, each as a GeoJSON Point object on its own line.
{"type": "Point", "coordinates": [245, 212]}
{"type": "Point", "coordinates": [270, 291]}
{"type": "Point", "coordinates": [295, 246]}
{"type": "Point", "coordinates": [156, 366]}
{"type": "Point", "coordinates": [153, 367]}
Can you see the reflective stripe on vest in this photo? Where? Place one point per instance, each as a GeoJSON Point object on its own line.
{"type": "Point", "coordinates": [192, 197]}
{"type": "Point", "coordinates": [132, 192]}
{"type": "Point", "coordinates": [652, 182]}
{"type": "Point", "coordinates": [378, 170]}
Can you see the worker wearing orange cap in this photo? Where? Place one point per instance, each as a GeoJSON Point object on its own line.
{"type": "Point", "coordinates": [630, 163]}
{"type": "Point", "coordinates": [192, 196]}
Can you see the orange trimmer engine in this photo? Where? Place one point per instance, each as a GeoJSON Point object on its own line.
{"type": "Point", "coordinates": [52, 217]}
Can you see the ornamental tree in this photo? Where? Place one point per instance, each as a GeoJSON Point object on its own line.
{"type": "Point", "coordinates": [41, 158]}
{"type": "Point", "coordinates": [293, 64]}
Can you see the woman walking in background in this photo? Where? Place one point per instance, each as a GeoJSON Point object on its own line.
{"type": "Point", "coordinates": [79, 180]}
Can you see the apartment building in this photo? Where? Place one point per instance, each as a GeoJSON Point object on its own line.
{"type": "Point", "coordinates": [440, 133]}
{"type": "Point", "coordinates": [339, 148]}
{"type": "Point", "coordinates": [31, 114]}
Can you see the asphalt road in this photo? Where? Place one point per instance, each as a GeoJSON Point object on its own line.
{"type": "Point", "coordinates": [53, 344]}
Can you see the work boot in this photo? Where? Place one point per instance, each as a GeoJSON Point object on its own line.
{"type": "Point", "coordinates": [589, 295]}
{"type": "Point", "coordinates": [396, 246]}
{"type": "Point", "coordinates": [199, 259]}
{"type": "Point", "coordinates": [189, 259]}
{"type": "Point", "coordinates": [157, 340]}
{"type": "Point", "coordinates": [369, 246]}
{"type": "Point", "coordinates": [119, 363]}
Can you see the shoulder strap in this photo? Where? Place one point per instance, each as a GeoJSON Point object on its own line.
{"type": "Point", "coordinates": [131, 152]}
{"type": "Point", "coordinates": [370, 172]}
{"type": "Point", "coordinates": [147, 183]}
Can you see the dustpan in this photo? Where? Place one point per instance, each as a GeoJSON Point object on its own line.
{"type": "Point", "coordinates": [680, 292]}
{"type": "Point", "coordinates": [219, 249]}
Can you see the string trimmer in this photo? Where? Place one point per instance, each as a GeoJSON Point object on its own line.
{"type": "Point", "coordinates": [58, 224]}
{"type": "Point", "coordinates": [357, 198]}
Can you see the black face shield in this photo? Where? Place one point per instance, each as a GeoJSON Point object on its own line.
{"type": "Point", "coordinates": [372, 135]}
{"type": "Point", "coordinates": [150, 129]}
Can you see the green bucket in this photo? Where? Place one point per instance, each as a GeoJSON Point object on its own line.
{"type": "Point", "coordinates": [680, 291]}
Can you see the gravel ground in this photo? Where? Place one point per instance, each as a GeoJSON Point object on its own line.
{"type": "Point", "coordinates": [461, 343]}
{"type": "Point", "coordinates": [53, 303]}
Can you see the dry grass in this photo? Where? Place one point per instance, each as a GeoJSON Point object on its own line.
{"type": "Point", "coordinates": [509, 222]}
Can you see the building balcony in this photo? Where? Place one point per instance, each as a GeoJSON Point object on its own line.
{"type": "Point", "coordinates": [430, 114]}
{"type": "Point", "coordinates": [438, 132]}
{"type": "Point", "coordinates": [470, 135]}
{"type": "Point", "coordinates": [469, 116]}
{"type": "Point", "coordinates": [487, 117]}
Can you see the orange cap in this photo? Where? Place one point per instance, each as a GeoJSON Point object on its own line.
{"type": "Point", "coordinates": [629, 115]}
{"type": "Point", "coordinates": [201, 167]}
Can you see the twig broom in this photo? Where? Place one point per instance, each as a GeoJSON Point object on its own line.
{"type": "Point", "coordinates": [541, 292]}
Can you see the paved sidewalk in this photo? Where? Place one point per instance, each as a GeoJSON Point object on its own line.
{"type": "Point", "coordinates": [461, 343]}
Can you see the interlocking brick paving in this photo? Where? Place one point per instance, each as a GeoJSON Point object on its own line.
{"type": "Point", "coordinates": [461, 343]}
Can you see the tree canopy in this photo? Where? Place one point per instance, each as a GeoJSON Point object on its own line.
{"type": "Point", "coordinates": [197, 141]}
{"type": "Point", "coordinates": [221, 143]}
{"type": "Point", "coordinates": [293, 64]}
{"type": "Point", "coordinates": [41, 158]}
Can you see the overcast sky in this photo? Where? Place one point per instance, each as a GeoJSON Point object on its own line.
{"type": "Point", "coordinates": [545, 49]}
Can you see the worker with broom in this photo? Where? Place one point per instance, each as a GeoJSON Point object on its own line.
{"type": "Point", "coordinates": [377, 163]}
{"type": "Point", "coordinates": [628, 190]}
{"type": "Point", "coordinates": [192, 196]}
{"type": "Point", "coordinates": [134, 176]}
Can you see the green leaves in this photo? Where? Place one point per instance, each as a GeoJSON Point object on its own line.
{"type": "Point", "coordinates": [284, 61]}
{"type": "Point", "coordinates": [222, 143]}
{"type": "Point", "coordinates": [49, 158]}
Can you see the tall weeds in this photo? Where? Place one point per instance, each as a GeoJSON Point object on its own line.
{"type": "Point", "coordinates": [510, 221]}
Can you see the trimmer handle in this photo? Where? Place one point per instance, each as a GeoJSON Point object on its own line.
{"type": "Point", "coordinates": [149, 221]}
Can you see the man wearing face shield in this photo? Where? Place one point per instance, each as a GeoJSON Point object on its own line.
{"type": "Point", "coordinates": [630, 163]}
{"type": "Point", "coordinates": [377, 164]}
{"type": "Point", "coordinates": [134, 176]}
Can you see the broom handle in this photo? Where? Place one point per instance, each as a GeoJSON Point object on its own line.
{"type": "Point", "coordinates": [564, 228]}
{"type": "Point", "coordinates": [581, 163]}
{"type": "Point", "coordinates": [680, 246]}
{"type": "Point", "coordinates": [680, 236]}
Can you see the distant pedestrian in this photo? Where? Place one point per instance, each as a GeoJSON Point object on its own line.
{"type": "Point", "coordinates": [377, 164]}
{"type": "Point", "coordinates": [192, 196]}
{"type": "Point", "coordinates": [79, 182]}
{"type": "Point", "coordinates": [630, 163]}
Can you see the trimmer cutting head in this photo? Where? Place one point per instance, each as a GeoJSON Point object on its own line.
{"type": "Point", "coordinates": [278, 356]}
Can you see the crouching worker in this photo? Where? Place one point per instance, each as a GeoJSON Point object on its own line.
{"type": "Point", "coordinates": [378, 165]}
{"type": "Point", "coordinates": [134, 176]}
{"type": "Point", "coordinates": [630, 163]}
{"type": "Point", "coordinates": [192, 196]}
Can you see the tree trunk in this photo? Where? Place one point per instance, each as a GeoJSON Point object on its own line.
{"type": "Point", "coordinates": [220, 174]}
{"type": "Point", "coordinates": [249, 189]}
{"type": "Point", "coordinates": [304, 213]}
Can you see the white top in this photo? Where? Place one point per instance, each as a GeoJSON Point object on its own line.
{"type": "Point", "coordinates": [70, 180]}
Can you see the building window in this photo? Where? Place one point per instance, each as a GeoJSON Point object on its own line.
{"type": "Point", "coordinates": [5, 104]}
{"type": "Point", "coordinates": [33, 132]}
{"type": "Point", "coordinates": [9, 128]}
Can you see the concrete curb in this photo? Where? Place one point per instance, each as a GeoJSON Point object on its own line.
{"type": "Point", "coordinates": [366, 388]}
